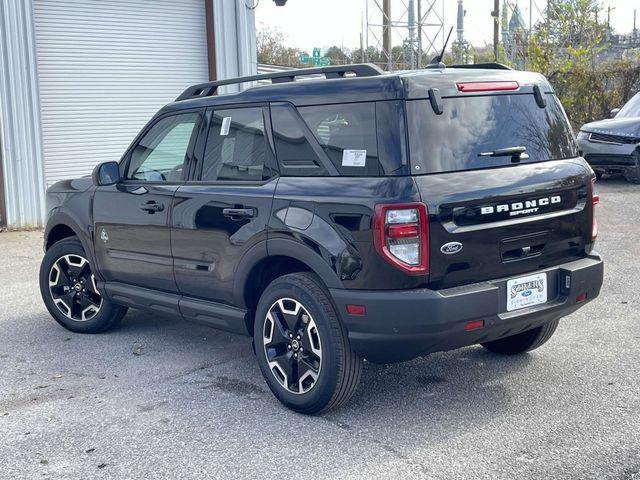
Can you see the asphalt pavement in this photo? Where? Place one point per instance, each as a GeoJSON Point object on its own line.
{"type": "Point", "coordinates": [161, 398]}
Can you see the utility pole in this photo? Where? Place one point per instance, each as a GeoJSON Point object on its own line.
{"type": "Point", "coordinates": [420, 32]}
{"type": "Point", "coordinates": [496, 23]}
{"type": "Point", "coordinates": [386, 31]}
{"type": "Point", "coordinates": [412, 33]}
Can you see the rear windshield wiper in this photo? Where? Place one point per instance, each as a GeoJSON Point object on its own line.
{"type": "Point", "coordinates": [516, 153]}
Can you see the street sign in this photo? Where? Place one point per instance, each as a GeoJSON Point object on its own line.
{"type": "Point", "coordinates": [324, 61]}
{"type": "Point", "coordinates": [316, 56]}
{"type": "Point", "coordinates": [304, 58]}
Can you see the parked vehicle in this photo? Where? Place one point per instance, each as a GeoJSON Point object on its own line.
{"type": "Point", "coordinates": [361, 215]}
{"type": "Point", "coordinates": [612, 145]}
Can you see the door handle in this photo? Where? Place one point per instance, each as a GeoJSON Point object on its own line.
{"type": "Point", "coordinates": [239, 212]}
{"type": "Point", "coordinates": [152, 207]}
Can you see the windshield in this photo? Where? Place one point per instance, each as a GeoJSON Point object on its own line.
{"type": "Point", "coordinates": [470, 126]}
{"type": "Point", "coordinates": [631, 108]}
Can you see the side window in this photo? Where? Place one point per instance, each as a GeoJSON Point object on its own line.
{"type": "Point", "coordinates": [237, 147]}
{"type": "Point", "coordinates": [160, 155]}
{"type": "Point", "coordinates": [347, 132]}
{"type": "Point", "coordinates": [295, 155]}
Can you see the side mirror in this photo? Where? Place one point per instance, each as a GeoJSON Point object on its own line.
{"type": "Point", "coordinates": [107, 173]}
{"type": "Point", "coordinates": [614, 112]}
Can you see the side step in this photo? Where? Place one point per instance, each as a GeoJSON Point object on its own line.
{"type": "Point", "coordinates": [217, 315]}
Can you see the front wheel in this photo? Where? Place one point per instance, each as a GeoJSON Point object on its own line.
{"type": "Point", "coordinates": [302, 347]}
{"type": "Point", "coordinates": [523, 342]}
{"type": "Point", "coordinates": [632, 175]}
{"type": "Point", "coordinates": [68, 288]}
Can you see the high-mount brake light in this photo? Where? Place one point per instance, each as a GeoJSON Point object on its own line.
{"type": "Point", "coordinates": [595, 200]}
{"type": "Point", "coordinates": [401, 236]}
{"type": "Point", "coordinates": [467, 87]}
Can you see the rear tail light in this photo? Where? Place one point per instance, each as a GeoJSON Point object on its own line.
{"type": "Point", "coordinates": [401, 236]}
{"type": "Point", "coordinates": [486, 86]}
{"type": "Point", "coordinates": [595, 200]}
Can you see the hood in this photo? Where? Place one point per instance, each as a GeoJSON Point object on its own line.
{"type": "Point", "coordinates": [624, 126]}
{"type": "Point", "coordinates": [75, 185]}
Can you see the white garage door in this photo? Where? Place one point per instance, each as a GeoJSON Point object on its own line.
{"type": "Point", "coordinates": [105, 67]}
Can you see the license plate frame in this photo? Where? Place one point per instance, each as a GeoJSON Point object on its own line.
{"type": "Point", "coordinates": [527, 291]}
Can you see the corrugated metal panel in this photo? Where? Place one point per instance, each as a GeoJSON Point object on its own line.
{"type": "Point", "coordinates": [235, 32]}
{"type": "Point", "coordinates": [20, 116]}
{"type": "Point", "coordinates": [105, 67]}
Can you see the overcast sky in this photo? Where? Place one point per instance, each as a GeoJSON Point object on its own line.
{"type": "Point", "coordinates": [322, 23]}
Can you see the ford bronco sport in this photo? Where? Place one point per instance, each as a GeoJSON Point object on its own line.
{"type": "Point", "coordinates": [353, 215]}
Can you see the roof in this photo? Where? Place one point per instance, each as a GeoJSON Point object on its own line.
{"type": "Point", "coordinates": [377, 86]}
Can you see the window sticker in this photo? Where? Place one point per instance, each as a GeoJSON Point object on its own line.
{"type": "Point", "coordinates": [226, 124]}
{"type": "Point", "coordinates": [354, 158]}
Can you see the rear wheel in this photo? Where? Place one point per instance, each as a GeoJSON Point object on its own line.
{"type": "Point", "coordinates": [523, 342]}
{"type": "Point", "coordinates": [68, 288]}
{"type": "Point", "coordinates": [301, 346]}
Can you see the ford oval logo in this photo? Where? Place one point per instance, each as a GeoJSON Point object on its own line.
{"type": "Point", "coordinates": [451, 248]}
{"type": "Point", "coordinates": [526, 293]}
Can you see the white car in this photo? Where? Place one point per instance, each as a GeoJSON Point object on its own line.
{"type": "Point", "coordinates": [613, 145]}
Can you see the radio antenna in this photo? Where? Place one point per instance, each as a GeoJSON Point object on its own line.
{"type": "Point", "coordinates": [436, 62]}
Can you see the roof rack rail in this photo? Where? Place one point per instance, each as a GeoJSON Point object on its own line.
{"type": "Point", "coordinates": [488, 66]}
{"type": "Point", "coordinates": [334, 71]}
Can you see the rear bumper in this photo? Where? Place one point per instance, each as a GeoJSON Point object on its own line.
{"type": "Point", "coordinates": [402, 324]}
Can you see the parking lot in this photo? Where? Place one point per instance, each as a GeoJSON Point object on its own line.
{"type": "Point", "coordinates": [160, 398]}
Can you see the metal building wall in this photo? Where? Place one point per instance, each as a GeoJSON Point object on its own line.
{"type": "Point", "coordinates": [20, 122]}
{"type": "Point", "coordinates": [20, 114]}
{"type": "Point", "coordinates": [235, 34]}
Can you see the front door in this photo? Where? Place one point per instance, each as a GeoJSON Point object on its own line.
{"type": "Point", "coordinates": [224, 211]}
{"type": "Point", "coordinates": [131, 219]}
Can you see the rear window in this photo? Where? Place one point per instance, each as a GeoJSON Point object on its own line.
{"type": "Point", "coordinates": [470, 126]}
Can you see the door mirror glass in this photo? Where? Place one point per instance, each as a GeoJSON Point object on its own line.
{"type": "Point", "coordinates": [614, 112]}
{"type": "Point", "coordinates": [107, 173]}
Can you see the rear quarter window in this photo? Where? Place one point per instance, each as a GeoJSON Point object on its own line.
{"type": "Point", "coordinates": [472, 125]}
{"type": "Point", "coordinates": [347, 133]}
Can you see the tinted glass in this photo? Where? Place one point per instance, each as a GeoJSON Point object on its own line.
{"type": "Point", "coordinates": [473, 125]}
{"type": "Point", "coordinates": [631, 108]}
{"type": "Point", "coordinates": [295, 154]}
{"type": "Point", "coordinates": [160, 155]}
{"type": "Point", "coordinates": [347, 132]}
{"type": "Point", "coordinates": [237, 147]}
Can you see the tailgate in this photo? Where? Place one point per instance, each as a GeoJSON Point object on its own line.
{"type": "Point", "coordinates": [494, 223]}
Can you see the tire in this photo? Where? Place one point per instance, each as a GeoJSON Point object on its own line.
{"type": "Point", "coordinates": [632, 175]}
{"type": "Point", "coordinates": [302, 347]}
{"type": "Point", "coordinates": [599, 174]}
{"type": "Point", "coordinates": [523, 342]}
{"type": "Point", "coordinates": [69, 292]}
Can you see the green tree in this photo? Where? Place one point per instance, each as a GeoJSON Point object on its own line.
{"type": "Point", "coordinates": [337, 55]}
{"type": "Point", "coordinates": [271, 49]}
{"type": "Point", "coordinates": [569, 47]}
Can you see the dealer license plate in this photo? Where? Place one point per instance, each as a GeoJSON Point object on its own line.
{"type": "Point", "coordinates": [526, 291]}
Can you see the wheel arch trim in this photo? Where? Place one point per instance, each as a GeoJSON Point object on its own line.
{"type": "Point", "coordinates": [85, 237]}
{"type": "Point", "coordinates": [280, 248]}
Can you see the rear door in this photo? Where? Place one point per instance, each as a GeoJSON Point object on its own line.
{"type": "Point", "coordinates": [131, 218]}
{"type": "Point", "coordinates": [493, 214]}
{"type": "Point", "coordinates": [223, 211]}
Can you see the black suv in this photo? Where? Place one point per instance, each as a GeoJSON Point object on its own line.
{"type": "Point", "coordinates": [351, 215]}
